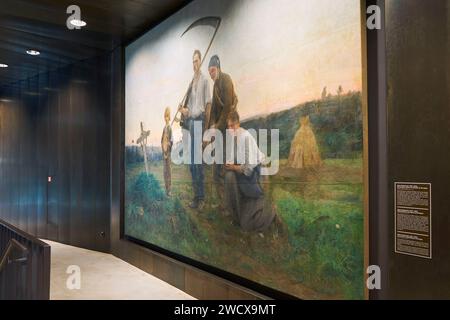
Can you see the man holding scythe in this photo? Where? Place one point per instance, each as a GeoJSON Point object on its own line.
{"type": "Point", "coordinates": [196, 103]}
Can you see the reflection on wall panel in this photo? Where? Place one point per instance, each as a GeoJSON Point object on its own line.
{"type": "Point", "coordinates": [418, 69]}
{"type": "Point", "coordinates": [56, 126]}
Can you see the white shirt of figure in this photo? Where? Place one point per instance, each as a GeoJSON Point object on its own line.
{"type": "Point", "coordinates": [199, 97]}
{"type": "Point", "coordinates": [247, 151]}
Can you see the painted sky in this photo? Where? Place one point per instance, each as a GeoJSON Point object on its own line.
{"type": "Point", "coordinates": [279, 54]}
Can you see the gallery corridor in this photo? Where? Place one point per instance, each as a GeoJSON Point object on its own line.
{"type": "Point", "coordinates": [104, 277]}
{"type": "Point", "coordinates": [229, 155]}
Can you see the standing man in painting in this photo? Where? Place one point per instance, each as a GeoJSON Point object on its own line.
{"type": "Point", "coordinates": [224, 101]}
{"type": "Point", "coordinates": [224, 98]}
{"type": "Point", "coordinates": [197, 102]}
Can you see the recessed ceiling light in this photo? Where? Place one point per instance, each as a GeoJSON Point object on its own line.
{"type": "Point", "coordinates": [3, 65]}
{"type": "Point", "coordinates": [78, 23]}
{"type": "Point", "coordinates": [33, 52]}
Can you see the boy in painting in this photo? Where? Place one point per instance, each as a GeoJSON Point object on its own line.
{"type": "Point", "coordinates": [166, 145]}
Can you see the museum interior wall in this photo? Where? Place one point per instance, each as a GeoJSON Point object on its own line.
{"type": "Point", "coordinates": [68, 126]}
{"type": "Point", "coordinates": [418, 135]}
{"type": "Point", "coordinates": [56, 126]}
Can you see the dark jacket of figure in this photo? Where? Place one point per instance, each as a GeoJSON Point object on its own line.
{"type": "Point", "coordinates": [250, 187]}
{"type": "Point", "coordinates": [245, 200]}
{"type": "Point", "coordinates": [224, 100]}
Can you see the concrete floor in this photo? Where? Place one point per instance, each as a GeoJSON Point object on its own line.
{"type": "Point", "coordinates": [104, 277]}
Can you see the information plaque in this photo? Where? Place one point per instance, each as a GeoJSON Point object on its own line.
{"type": "Point", "coordinates": [413, 234]}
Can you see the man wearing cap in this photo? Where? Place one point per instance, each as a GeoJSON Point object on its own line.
{"type": "Point", "coordinates": [224, 101]}
{"type": "Point", "coordinates": [198, 100]}
{"type": "Point", "coordinates": [224, 98]}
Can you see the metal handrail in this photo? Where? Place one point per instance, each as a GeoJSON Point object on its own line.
{"type": "Point", "coordinates": [13, 244]}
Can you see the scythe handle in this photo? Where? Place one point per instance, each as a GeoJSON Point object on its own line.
{"type": "Point", "coordinates": [183, 101]}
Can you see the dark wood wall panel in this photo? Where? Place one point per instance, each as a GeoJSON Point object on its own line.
{"type": "Point", "coordinates": [57, 124]}
{"type": "Point", "coordinates": [377, 128]}
{"type": "Point", "coordinates": [418, 69]}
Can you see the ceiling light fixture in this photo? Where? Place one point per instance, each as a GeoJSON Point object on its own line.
{"type": "Point", "coordinates": [32, 52]}
{"type": "Point", "coordinates": [3, 65]}
{"type": "Point", "coordinates": [78, 23]}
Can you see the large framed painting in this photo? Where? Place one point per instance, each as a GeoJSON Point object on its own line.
{"type": "Point", "coordinates": [245, 143]}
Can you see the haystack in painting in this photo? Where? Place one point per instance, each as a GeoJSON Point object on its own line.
{"type": "Point", "coordinates": [304, 150]}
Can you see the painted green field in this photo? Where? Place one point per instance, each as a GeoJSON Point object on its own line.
{"type": "Point", "coordinates": [316, 252]}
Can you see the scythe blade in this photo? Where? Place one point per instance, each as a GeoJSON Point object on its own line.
{"type": "Point", "coordinates": [206, 21]}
